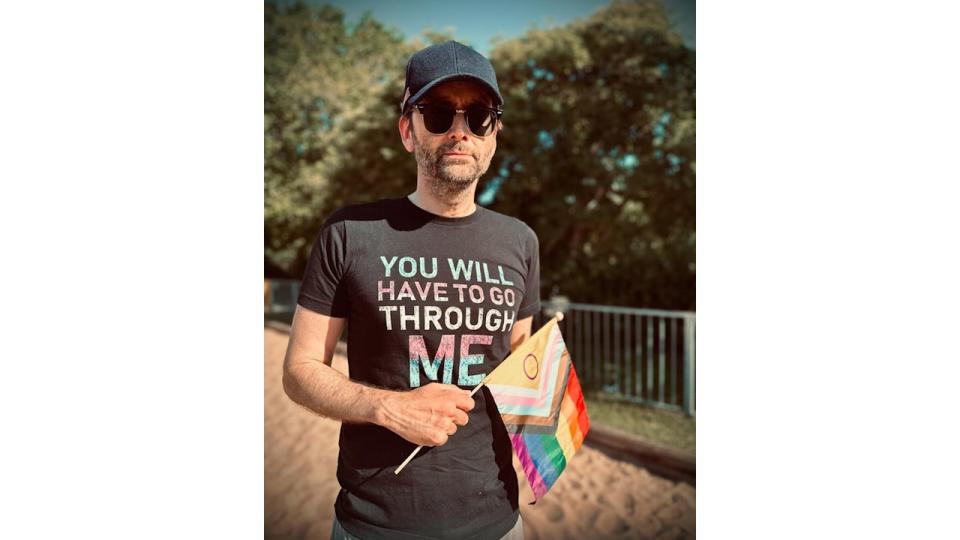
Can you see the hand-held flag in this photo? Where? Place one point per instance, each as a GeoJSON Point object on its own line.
{"type": "Point", "coordinates": [539, 398]}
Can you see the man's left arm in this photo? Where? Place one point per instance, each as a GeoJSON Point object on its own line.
{"type": "Point", "coordinates": [531, 298]}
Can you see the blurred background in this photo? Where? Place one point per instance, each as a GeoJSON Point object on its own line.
{"type": "Point", "coordinates": [597, 156]}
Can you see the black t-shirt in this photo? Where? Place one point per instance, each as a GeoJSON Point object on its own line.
{"type": "Point", "coordinates": [427, 298]}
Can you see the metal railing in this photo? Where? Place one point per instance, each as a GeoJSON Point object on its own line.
{"type": "Point", "coordinates": [280, 295]}
{"type": "Point", "coordinates": [646, 356]}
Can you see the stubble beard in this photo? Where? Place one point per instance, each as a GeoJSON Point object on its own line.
{"type": "Point", "coordinates": [447, 180]}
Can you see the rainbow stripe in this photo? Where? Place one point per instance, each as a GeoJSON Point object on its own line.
{"type": "Point", "coordinates": [541, 403]}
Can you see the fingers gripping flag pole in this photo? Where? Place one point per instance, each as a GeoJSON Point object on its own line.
{"type": "Point", "coordinates": [472, 392]}
{"type": "Point", "coordinates": [417, 449]}
{"type": "Point", "coordinates": [541, 403]}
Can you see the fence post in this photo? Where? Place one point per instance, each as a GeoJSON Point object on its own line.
{"type": "Point", "coordinates": [689, 365]}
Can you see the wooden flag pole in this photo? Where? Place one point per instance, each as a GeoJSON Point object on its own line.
{"type": "Point", "coordinates": [558, 317]}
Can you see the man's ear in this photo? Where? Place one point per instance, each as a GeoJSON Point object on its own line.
{"type": "Point", "coordinates": [405, 125]}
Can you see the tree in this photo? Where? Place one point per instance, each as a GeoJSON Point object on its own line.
{"type": "Point", "coordinates": [321, 78]}
{"type": "Point", "coordinates": [598, 155]}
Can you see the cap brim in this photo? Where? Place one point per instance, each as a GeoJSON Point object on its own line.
{"type": "Point", "coordinates": [498, 99]}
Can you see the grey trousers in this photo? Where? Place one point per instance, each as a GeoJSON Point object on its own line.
{"type": "Point", "coordinates": [337, 533]}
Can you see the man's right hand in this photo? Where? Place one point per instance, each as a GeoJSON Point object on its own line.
{"type": "Point", "coordinates": [428, 415]}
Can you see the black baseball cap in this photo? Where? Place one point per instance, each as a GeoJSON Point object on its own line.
{"type": "Point", "coordinates": [446, 62]}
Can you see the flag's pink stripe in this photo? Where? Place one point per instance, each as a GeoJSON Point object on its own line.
{"type": "Point", "coordinates": [529, 469]}
{"type": "Point", "coordinates": [551, 344]}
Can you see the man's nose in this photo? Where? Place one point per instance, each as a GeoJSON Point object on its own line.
{"type": "Point", "coordinates": [459, 130]}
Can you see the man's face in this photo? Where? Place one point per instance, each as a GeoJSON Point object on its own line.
{"type": "Point", "coordinates": [456, 159]}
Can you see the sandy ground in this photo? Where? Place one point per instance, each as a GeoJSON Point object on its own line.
{"type": "Point", "coordinates": [599, 495]}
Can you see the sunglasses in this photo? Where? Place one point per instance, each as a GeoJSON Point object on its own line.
{"type": "Point", "coordinates": [438, 117]}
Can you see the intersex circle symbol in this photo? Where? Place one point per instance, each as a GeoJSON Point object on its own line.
{"type": "Point", "coordinates": [531, 364]}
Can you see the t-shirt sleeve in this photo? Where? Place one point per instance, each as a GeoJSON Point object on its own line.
{"type": "Point", "coordinates": [323, 288]}
{"type": "Point", "coordinates": [531, 298]}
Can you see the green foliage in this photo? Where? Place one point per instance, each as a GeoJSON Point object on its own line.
{"type": "Point", "coordinates": [597, 154]}
{"type": "Point", "coordinates": [321, 80]}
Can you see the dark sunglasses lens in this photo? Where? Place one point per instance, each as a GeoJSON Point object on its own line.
{"type": "Point", "coordinates": [437, 119]}
{"type": "Point", "coordinates": [481, 120]}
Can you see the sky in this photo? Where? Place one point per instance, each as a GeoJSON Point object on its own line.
{"type": "Point", "coordinates": [477, 25]}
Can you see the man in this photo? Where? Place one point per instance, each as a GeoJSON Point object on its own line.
{"type": "Point", "coordinates": [436, 291]}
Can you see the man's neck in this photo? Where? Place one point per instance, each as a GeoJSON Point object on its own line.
{"type": "Point", "coordinates": [452, 205]}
